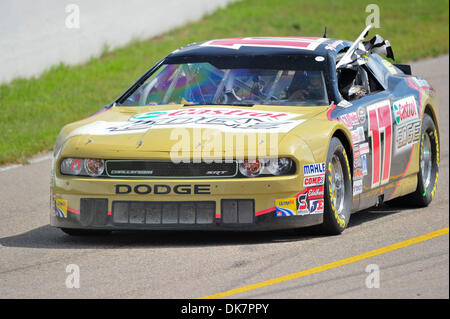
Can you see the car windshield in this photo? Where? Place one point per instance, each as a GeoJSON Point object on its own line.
{"type": "Point", "coordinates": [203, 83]}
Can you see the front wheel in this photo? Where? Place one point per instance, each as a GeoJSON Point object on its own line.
{"type": "Point", "coordinates": [338, 189]}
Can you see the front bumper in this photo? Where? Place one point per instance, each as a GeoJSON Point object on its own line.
{"type": "Point", "coordinates": [196, 204]}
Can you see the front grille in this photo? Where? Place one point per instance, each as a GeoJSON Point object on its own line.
{"type": "Point", "coordinates": [168, 169]}
{"type": "Point", "coordinates": [93, 211]}
{"type": "Point", "coordinates": [238, 211]}
{"type": "Point", "coordinates": [163, 212]}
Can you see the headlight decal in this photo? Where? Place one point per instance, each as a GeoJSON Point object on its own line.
{"type": "Point", "coordinates": [82, 167]}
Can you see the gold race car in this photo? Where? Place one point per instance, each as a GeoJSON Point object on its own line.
{"type": "Point", "coordinates": [254, 133]}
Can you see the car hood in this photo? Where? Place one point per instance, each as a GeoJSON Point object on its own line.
{"type": "Point", "coordinates": [124, 131]}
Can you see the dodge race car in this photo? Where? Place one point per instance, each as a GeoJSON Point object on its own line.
{"type": "Point", "coordinates": [255, 133]}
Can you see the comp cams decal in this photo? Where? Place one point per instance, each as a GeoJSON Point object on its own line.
{"type": "Point", "coordinates": [318, 180]}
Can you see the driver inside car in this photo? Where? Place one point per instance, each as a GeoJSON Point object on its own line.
{"type": "Point", "coordinates": [306, 86]}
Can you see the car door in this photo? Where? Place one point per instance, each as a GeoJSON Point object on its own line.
{"type": "Point", "coordinates": [367, 114]}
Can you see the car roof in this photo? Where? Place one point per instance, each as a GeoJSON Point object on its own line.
{"type": "Point", "coordinates": [246, 46]}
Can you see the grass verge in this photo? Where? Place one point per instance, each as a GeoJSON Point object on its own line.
{"type": "Point", "coordinates": [32, 111]}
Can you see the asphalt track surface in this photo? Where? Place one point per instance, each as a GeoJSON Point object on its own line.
{"type": "Point", "coordinates": [282, 264]}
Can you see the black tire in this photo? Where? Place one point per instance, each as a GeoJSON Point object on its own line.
{"type": "Point", "coordinates": [334, 223]}
{"type": "Point", "coordinates": [85, 232]}
{"type": "Point", "coordinates": [423, 195]}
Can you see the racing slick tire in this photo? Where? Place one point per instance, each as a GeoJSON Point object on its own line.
{"type": "Point", "coordinates": [427, 176]}
{"type": "Point", "coordinates": [85, 232]}
{"type": "Point", "coordinates": [338, 190]}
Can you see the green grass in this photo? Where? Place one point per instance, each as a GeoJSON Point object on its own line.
{"type": "Point", "coordinates": [33, 111]}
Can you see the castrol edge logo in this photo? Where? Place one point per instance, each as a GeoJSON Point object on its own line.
{"type": "Point", "coordinates": [405, 110]}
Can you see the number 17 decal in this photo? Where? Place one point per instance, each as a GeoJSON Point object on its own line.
{"type": "Point", "coordinates": [380, 125]}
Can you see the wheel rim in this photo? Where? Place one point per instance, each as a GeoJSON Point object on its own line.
{"type": "Point", "coordinates": [426, 161]}
{"type": "Point", "coordinates": [337, 184]}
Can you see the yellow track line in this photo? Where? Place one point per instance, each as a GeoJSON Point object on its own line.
{"type": "Point", "coordinates": [334, 264]}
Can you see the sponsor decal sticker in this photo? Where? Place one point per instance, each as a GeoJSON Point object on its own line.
{"type": "Point", "coordinates": [364, 164]}
{"type": "Point", "coordinates": [315, 192]}
{"type": "Point", "coordinates": [303, 207]}
{"type": "Point", "coordinates": [344, 103]}
{"type": "Point", "coordinates": [316, 206]}
{"type": "Point", "coordinates": [319, 58]}
{"type": "Point", "coordinates": [286, 207]}
{"type": "Point", "coordinates": [358, 174]}
{"type": "Point", "coordinates": [408, 134]}
{"type": "Point", "coordinates": [356, 151]}
{"type": "Point", "coordinates": [334, 45]}
{"type": "Point", "coordinates": [224, 119]}
{"type": "Point", "coordinates": [314, 181]}
{"type": "Point", "coordinates": [61, 207]}
{"type": "Point", "coordinates": [313, 169]}
{"type": "Point", "coordinates": [357, 186]}
{"type": "Point", "coordinates": [357, 162]}
{"type": "Point", "coordinates": [361, 114]}
{"type": "Point", "coordinates": [364, 148]}
{"type": "Point", "coordinates": [358, 135]}
{"type": "Point", "coordinates": [421, 82]}
{"type": "Point", "coordinates": [350, 119]}
{"type": "Point", "coordinates": [405, 110]}
{"type": "Point", "coordinates": [389, 66]}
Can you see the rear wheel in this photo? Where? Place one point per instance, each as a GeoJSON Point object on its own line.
{"type": "Point", "coordinates": [338, 190]}
{"type": "Point", "coordinates": [85, 232]}
{"type": "Point", "coordinates": [428, 167]}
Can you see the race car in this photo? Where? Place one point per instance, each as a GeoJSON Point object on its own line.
{"type": "Point", "coordinates": [251, 133]}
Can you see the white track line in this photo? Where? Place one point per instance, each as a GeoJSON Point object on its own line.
{"type": "Point", "coordinates": [34, 160]}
